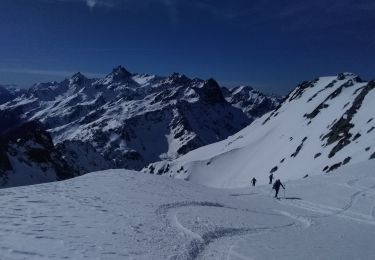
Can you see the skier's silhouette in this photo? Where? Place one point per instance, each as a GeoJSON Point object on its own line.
{"type": "Point", "coordinates": [276, 187]}
{"type": "Point", "coordinates": [271, 178]}
{"type": "Point", "coordinates": [253, 181]}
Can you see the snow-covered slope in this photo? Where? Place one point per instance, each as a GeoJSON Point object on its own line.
{"type": "Point", "coordinates": [322, 125]}
{"type": "Point", "coordinates": [251, 101]}
{"type": "Point", "coordinates": [120, 214]}
{"type": "Point", "coordinates": [130, 119]}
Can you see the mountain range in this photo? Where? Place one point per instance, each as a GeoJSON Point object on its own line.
{"type": "Point", "coordinates": [128, 120]}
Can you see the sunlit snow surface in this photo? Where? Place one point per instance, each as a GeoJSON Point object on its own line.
{"type": "Point", "coordinates": [120, 214]}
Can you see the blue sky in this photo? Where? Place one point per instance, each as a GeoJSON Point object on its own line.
{"type": "Point", "coordinates": [272, 45]}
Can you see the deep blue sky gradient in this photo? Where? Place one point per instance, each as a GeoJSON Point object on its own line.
{"type": "Point", "coordinates": [272, 45]}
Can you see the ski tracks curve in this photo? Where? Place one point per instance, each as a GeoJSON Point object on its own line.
{"type": "Point", "coordinates": [199, 242]}
{"type": "Point", "coordinates": [325, 211]}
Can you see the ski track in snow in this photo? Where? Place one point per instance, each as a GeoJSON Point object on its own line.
{"type": "Point", "coordinates": [305, 222]}
{"type": "Point", "coordinates": [232, 253]}
{"type": "Point", "coordinates": [242, 194]}
{"type": "Point", "coordinates": [344, 212]}
{"type": "Point", "coordinates": [198, 243]}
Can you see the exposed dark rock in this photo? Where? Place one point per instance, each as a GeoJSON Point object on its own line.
{"type": "Point", "coordinates": [357, 90]}
{"type": "Point", "coordinates": [358, 135]}
{"type": "Point", "coordinates": [166, 169]}
{"type": "Point", "coordinates": [316, 111]}
{"type": "Point", "coordinates": [340, 131]}
{"type": "Point", "coordinates": [268, 118]}
{"type": "Point", "coordinates": [315, 95]}
{"type": "Point", "coordinates": [5, 164]}
{"type": "Point", "coordinates": [30, 143]}
{"type": "Point", "coordinates": [120, 74]}
{"type": "Point", "coordinates": [346, 160]}
{"type": "Point", "coordinates": [371, 129]}
{"type": "Point", "coordinates": [330, 85]}
{"type": "Point", "coordinates": [341, 76]}
{"type": "Point", "coordinates": [317, 155]}
{"type": "Point", "coordinates": [211, 92]}
{"type": "Point", "coordinates": [160, 171]}
{"type": "Point", "coordinates": [132, 155]}
{"type": "Point", "coordinates": [334, 167]}
{"type": "Point", "coordinates": [323, 105]}
{"type": "Point", "coordinates": [298, 148]}
{"type": "Point", "coordinates": [372, 156]}
{"type": "Point", "coordinates": [274, 169]}
{"type": "Point", "coordinates": [301, 89]}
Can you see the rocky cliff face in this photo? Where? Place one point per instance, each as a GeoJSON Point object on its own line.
{"type": "Point", "coordinates": [28, 156]}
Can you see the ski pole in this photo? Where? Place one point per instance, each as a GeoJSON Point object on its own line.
{"type": "Point", "coordinates": [284, 193]}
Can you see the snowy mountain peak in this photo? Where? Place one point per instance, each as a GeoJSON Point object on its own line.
{"type": "Point", "coordinates": [211, 92]}
{"type": "Point", "coordinates": [243, 90]}
{"type": "Point", "coordinates": [321, 126]}
{"type": "Point", "coordinates": [120, 73]}
{"type": "Point", "coordinates": [78, 79]}
{"type": "Point", "coordinates": [178, 79]}
{"type": "Point", "coordinates": [349, 75]}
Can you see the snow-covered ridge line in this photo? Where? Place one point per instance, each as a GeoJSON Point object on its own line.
{"type": "Point", "coordinates": [322, 125]}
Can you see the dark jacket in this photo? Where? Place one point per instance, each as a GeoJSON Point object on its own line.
{"type": "Point", "coordinates": [277, 185]}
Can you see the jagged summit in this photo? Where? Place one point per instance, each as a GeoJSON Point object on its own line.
{"type": "Point", "coordinates": [211, 92]}
{"type": "Point", "coordinates": [178, 78]}
{"type": "Point", "coordinates": [119, 73]}
{"type": "Point", "coordinates": [78, 79]}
